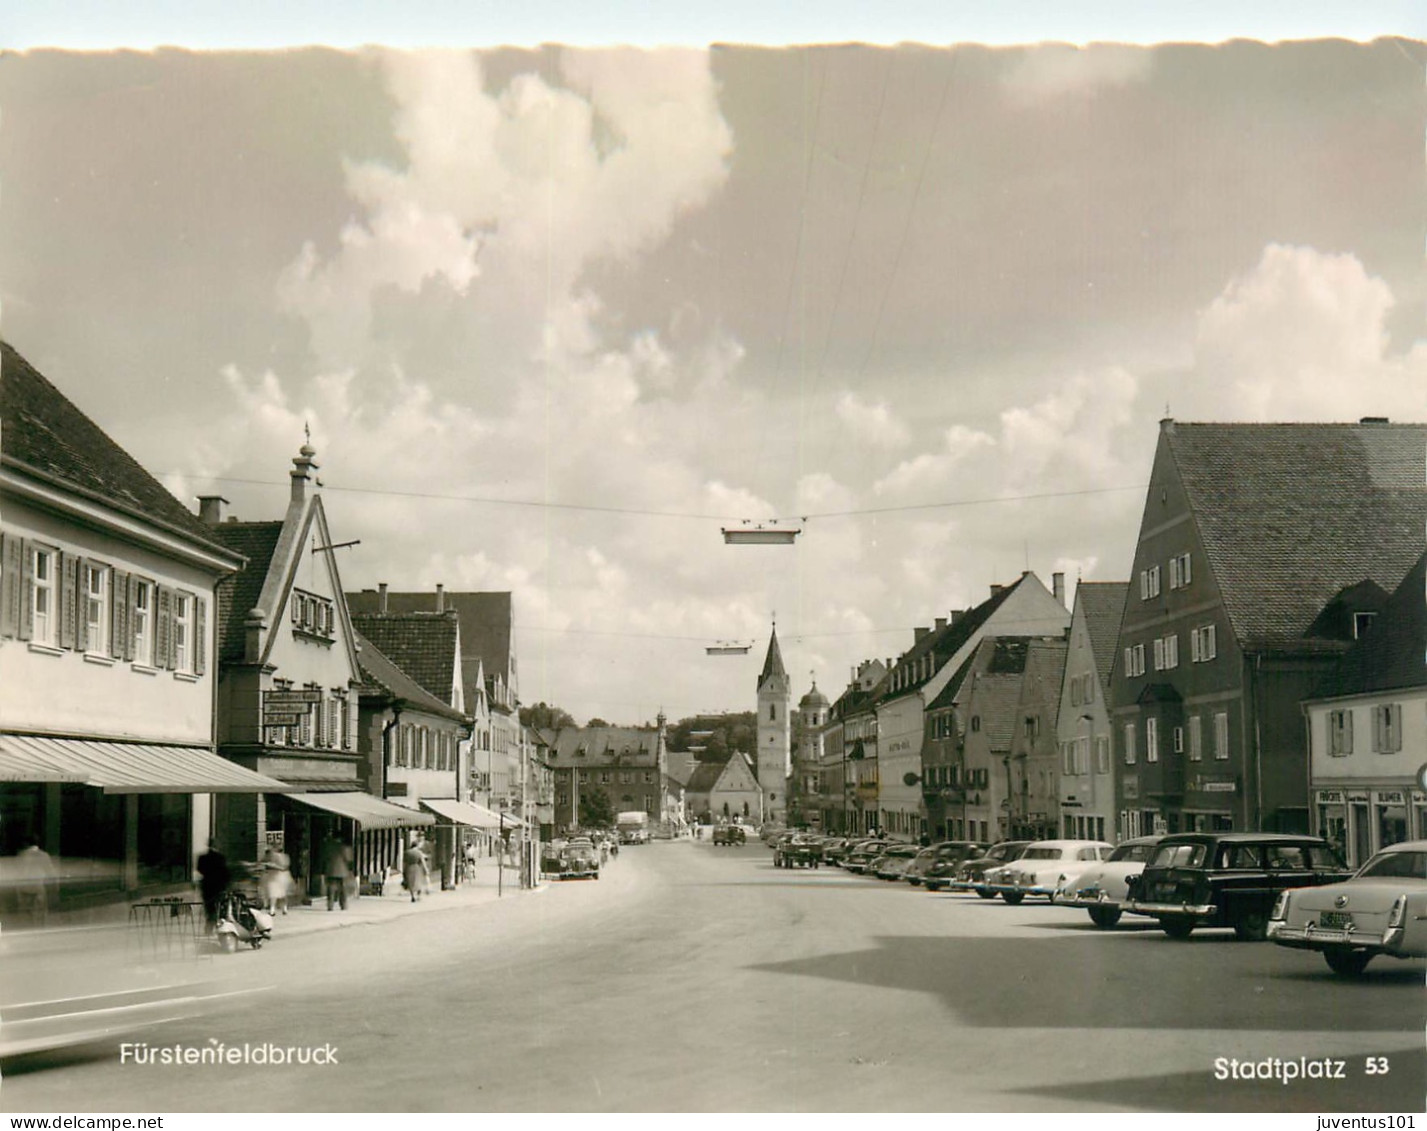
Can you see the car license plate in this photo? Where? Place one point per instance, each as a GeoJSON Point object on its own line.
{"type": "Point", "coordinates": [1335, 920]}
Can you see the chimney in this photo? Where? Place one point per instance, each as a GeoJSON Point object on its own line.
{"type": "Point", "coordinates": [1166, 426]}
{"type": "Point", "coordinates": [996, 590]}
{"type": "Point", "coordinates": [919, 633]}
{"type": "Point", "coordinates": [956, 615]}
{"type": "Point", "coordinates": [381, 597]}
{"type": "Point", "coordinates": [302, 463]}
{"type": "Point", "coordinates": [440, 598]}
{"type": "Point", "coordinates": [940, 623]}
{"type": "Point", "coordinates": [1057, 587]}
{"type": "Point", "coordinates": [210, 509]}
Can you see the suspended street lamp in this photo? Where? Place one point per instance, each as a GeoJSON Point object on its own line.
{"type": "Point", "coordinates": [760, 535]}
{"type": "Point", "coordinates": [728, 648]}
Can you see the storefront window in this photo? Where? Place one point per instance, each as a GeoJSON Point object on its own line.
{"type": "Point", "coordinates": [91, 840]}
{"type": "Point", "coordinates": [164, 824]}
{"type": "Point", "coordinates": [1333, 827]}
{"type": "Point", "coordinates": [1391, 824]}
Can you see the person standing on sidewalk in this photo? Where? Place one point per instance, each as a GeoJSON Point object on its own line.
{"type": "Point", "coordinates": [336, 868]}
{"type": "Point", "coordinates": [277, 880]}
{"type": "Point", "coordinates": [413, 868]}
{"type": "Point", "coordinates": [213, 879]}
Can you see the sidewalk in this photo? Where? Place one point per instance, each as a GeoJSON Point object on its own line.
{"type": "Point", "coordinates": [395, 903]}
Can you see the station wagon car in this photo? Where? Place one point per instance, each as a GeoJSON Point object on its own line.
{"type": "Point", "coordinates": [1101, 889]}
{"type": "Point", "coordinates": [1042, 867]}
{"type": "Point", "coordinates": [1228, 879]}
{"type": "Point", "coordinates": [1381, 910]}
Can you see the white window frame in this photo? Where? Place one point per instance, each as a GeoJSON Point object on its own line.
{"type": "Point", "coordinates": [96, 608]}
{"type": "Point", "coordinates": [1178, 740]}
{"type": "Point", "coordinates": [1151, 739]}
{"type": "Point", "coordinates": [1196, 738]}
{"type": "Point", "coordinates": [1102, 753]}
{"type": "Point", "coordinates": [1159, 654]}
{"type": "Point", "coordinates": [44, 590]}
{"type": "Point", "coordinates": [1180, 571]}
{"type": "Point", "coordinates": [1130, 756]}
{"type": "Point", "coordinates": [141, 622]}
{"type": "Point", "coordinates": [1203, 644]}
{"type": "Point", "coordinates": [1171, 651]}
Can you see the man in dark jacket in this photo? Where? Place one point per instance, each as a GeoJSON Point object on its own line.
{"type": "Point", "coordinates": [336, 867]}
{"type": "Point", "coordinates": [213, 880]}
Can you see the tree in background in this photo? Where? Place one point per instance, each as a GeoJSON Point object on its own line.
{"type": "Point", "coordinates": [545, 716]}
{"type": "Point", "coordinates": [596, 722]}
{"type": "Point", "coordinates": [596, 812]}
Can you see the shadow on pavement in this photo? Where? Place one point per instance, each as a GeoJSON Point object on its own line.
{"type": "Point", "coordinates": [1079, 983]}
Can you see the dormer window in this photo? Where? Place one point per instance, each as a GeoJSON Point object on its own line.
{"type": "Point", "coordinates": [1361, 623]}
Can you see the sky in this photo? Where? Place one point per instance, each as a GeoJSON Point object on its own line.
{"type": "Point", "coordinates": [555, 315]}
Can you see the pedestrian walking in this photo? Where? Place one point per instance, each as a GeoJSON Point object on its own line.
{"type": "Point", "coordinates": [426, 854]}
{"type": "Point", "coordinates": [336, 869]}
{"type": "Point", "coordinates": [277, 880]}
{"type": "Point", "coordinates": [213, 879]}
{"type": "Point", "coordinates": [35, 876]}
{"type": "Point", "coordinates": [413, 869]}
{"type": "Point", "coordinates": [470, 860]}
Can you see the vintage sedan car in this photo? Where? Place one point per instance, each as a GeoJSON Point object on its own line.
{"type": "Point", "coordinates": [1381, 910]}
{"type": "Point", "coordinates": [972, 872]}
{"type": "Point", "coordinates": [580, 860]}
{"type": "Point", "coordinates": [1101, 889]}
{"type": "Point", "coordinates": [1228, 879]}
{"type": "Point", "coordinates": [1043, 867]}
{"type": "Point", "coordinates": [730, 834]}
{"type": "Point", "coordinates": [860, 856]}
{"type": "Point", "coordinates": [835, 847]}
{"type": "Point", "coordinates": [893, 864]}
{"type": "Point", "coordinates": [951, 855]}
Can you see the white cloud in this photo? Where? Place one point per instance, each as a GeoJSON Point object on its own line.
{"type": "Point", "coordinates": [931, 476]}
{"type": "Point", "coordinates": [1302, 336]}
{"type": "Point", "coordinates": [871, 422]}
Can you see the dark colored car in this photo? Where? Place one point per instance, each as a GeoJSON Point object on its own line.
{"type": "Point", "coordinates": [972, 872]}
{"type": "Point", "coordinates": [729, 834]}
{"type": "Point", "coordinates": [797, 850]}
{"type": "Point", "coordinates": [835, 848]}
{"type": "Point", "coordinates": [1228, 879]}
{"type": "Point", "coordinates": [857, 858]}
{"type": "Point", "coordinates": [580, 861]}
{"type": "Point", "coordinates": [939, 867]}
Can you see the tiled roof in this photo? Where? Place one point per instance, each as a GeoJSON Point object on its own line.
{"type": "Point", "coordinates": [381, 675]}
{"type": "Point", "coordinates": [256, 541]}
{"type": "Point", "coordinates": [943, 642]}
{"type": "Point", "coordinates": [1045, 668]}
{"type": "Point", "coordinates": [949, 695]}
{"type": "Point", "coordinates": [1103, 605]}
{"type": "Point", "coordinates": [423, 645]}
{"type": "Point", "coordinates": [605, 746]}
{"type": "Point", "coordinates": [1392, 654]}
{"type": "Point", "coordinates": [486, 627]}
{"type": "Point", "coordinates": [995, 699]}
{"type": "Point", "coordinates": [705, 776]}
{"type": "Point", "coordinates": [46, 434]}
{"type": "Point", "coordinates": [1289, 514]}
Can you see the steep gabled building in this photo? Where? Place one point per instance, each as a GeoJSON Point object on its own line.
{"type": "Point", "coordinates": [108, 586]}
{"type": "Point", "coordinates": [724, 790]}
{"type": "Point", "coordinates": [773, 758]}
{"type": "Point", "coordinates": [1024, 607]}
{"type": "Point", "coordinates": [1260, 548]}
{"type": "Point", "coordinates": [1087, 778]}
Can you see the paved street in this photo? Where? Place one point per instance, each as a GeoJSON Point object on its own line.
{"type": "Point", "coordinates": [699, 978]}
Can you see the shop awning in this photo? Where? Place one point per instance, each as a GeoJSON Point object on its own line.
{"type": "Point", "coordinates": [368, 811]}
{"type": "Point", "coordinates": [127, 767]}
{"type": "Point", "coordinates": [469, 813]}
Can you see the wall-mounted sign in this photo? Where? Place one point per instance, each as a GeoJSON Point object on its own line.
{"type": "Point", "coordinates": [396, 789]}
{"type": "Point", "coordinates": [1392, 797]}
{"type": "Point", "coordinates": [274, 839]}
{"type": "Point", "coordinates": [1218, 787]}
{"type": "Point", "coordinates": [1359, 796]}
{"type": "Point", "coordinates": [280, 719]}
{"type": "Point", "coordinates": [1330, 797]}
{"type": "Point", "coordinates": [292, 698]}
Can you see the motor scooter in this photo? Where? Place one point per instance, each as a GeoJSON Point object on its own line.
{"type": "Point", "coordinates": [241, 920]}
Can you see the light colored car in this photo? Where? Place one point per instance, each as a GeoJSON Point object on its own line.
{"type": "Point", "coordinates": [1381, 910]}
{"type": "Point", "coordinates": [1103, 887]}
{"type": "Point", "coordinates": [1043, 867]}
{"type": "Point", "coordinates": [894, 863]}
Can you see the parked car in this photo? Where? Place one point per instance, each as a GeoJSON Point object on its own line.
{"type": "Point", "coordinates": [1381, 910]}
{"type": "Point", "coordinates": [863, 853]}
{"type": "Point", "coordinates": [893, 863]}
{"type": "Point", "coordinates": [581, 861]}
{"type": "Point", "coordinates": [834, 848]}
{"type": "Point", "coordinates": [730, 834]}
{"type": "Point", "coordinates": [1101, 888]}
{"type": "Point", "coordinates": [796, 850]}
{"type": "Point", "coordinates": [950, 856]}
{"type": "Point", "coordinates": [769, 833]}
{"type": "Point", "coordinates": [1043, 867]}
{"type": "Point", "coordinates": [973, 871]}
{"type": "Point", "coordinates": [1228, 879]}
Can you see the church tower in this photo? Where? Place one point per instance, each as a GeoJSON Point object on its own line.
{"type": "Point", "coordinates": [775, 697]}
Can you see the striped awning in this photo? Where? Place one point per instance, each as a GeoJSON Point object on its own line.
{"type": "Point", "coordinates": [468, 813]}
{"type": "Point", "coordinates": [127, 767]}
{"type": "Point", "coordinates": [368, 811]}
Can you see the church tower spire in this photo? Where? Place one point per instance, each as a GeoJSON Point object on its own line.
{"type": "Point", "coordinates": [774, 732]}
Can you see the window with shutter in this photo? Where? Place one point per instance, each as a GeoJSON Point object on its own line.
{"type": "Point", "coordinates": [200, 635]}
{"type": "Point", "coordinates": [1151, 740]}
{"type": "Point", "coordinates": [1221, 735]}
{"type": "Point", "coordinates": [1196, 738]}
{"type": "Point", "coordinates": [1129, 744]}
{"type": "Point", "coordinates": [119, 624]}
{"type": "Point", "coordinates": [141, 622]}
{"type": "Point", "coordinates": [181, 633]}
{"type": "Point", "coordinates": [12, 580]}
{"type": "Point", "coordinates": [163, 654]}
